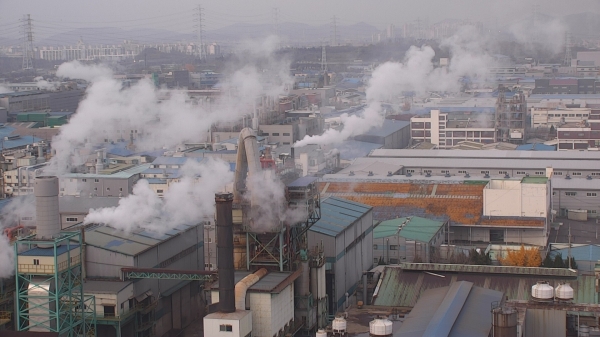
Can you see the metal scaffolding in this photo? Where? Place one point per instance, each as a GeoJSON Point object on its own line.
{"type": "Point", "coordinates": [49, 287]}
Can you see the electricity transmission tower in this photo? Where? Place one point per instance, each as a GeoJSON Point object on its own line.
{"type": "Point", "coordinates": [276, 31]}
{"type": "Point", "coordinates": [568, 56]}
{"type": "Point", "coordinates": [28, 53]}
{"type": "Point", "coordinates": [334, 32]}
{"type": "Point", "coordinates": [199, 14]}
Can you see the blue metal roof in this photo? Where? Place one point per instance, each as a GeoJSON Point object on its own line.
{"type": "Point", "coordinates": [48, 251]}
{"type": "Point", "coordinates": [303, 181]}
{"type": "Point", "coordinates": [174, 160]}
{"type": "Point", "coordinates": [582, 253]}
{"type": "Point", "coordinates": [535, 147]}
{"type": "Point", "coordinates": [337, 214]}
{"type": "Point", "coordinates": [352, 149]}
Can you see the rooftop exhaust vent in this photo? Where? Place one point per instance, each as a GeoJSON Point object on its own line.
{"type": "Point", "coordinates": [487, 175]}
{"type": "Point", "coordinates": [506, 176]}
{"type": "Point", "coordinates": [351, 173]}
{"type": "Point", "coordinates": [370, 173]}
{"type": "Point", "coordinates": [447, 175]}
{"type": "Point", "coordinates": [568, 176]}
{"type": "Point", "coordinates": [467, 175]}
{"type": "Point", "coordinates": [589, 177]}
{"type": "Point", "coordinates": [408, 174]}
{"type": "Point", "coordinates": [428, 174]}
{"type": "Point", "coordinates": [390, 174]}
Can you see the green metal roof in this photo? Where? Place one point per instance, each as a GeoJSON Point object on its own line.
{"type": "Point", "coordinates": [534, 180]}
{"type": "Point", "coordinates": [417, 228]}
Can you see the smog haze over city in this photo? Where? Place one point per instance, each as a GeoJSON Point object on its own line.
{"type": "Point", "coordinates": [316, 168]}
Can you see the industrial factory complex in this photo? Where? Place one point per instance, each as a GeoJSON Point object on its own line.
{"type": "Point", "coordinates": [168, 201]}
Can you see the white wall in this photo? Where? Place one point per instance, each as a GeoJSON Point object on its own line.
{"type": "Point", "coordinates": [241, 327]}
{"type": "Point", "coordinates": [514, 198]}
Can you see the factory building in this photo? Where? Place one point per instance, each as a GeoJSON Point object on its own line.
{"type": "Point", "coordinates": [345, 231]}
{"type": "Point", "coordinates": [446, 130]}
{"type": "Point", "coordinates": [391, 135]}
{"type": "Point", "coordinates": [138, 283]}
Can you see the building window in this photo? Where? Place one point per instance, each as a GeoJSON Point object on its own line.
{"type": "Point", "coordinates": [393, 247]}
{"type": "Point", "coordinates": [108, 188]}
{"type": "Point", "coordinates": [96, 180]}
{"type": "Point", "coordinates": [36, 262]}
{"type": "Point", "coordinates": [159, 191]}
{"type": "Point", "coordinates": [71, 219]}
{"type": "Point", "coordinates": [558, 173]}
{"type": "Point", "coordinates": [571, 194]}
{"type": "Point", "coordinates": [485, 172]}
{"type": "Point", "coordinates": [462, 172]}
{"type": "Point", "coordinates": [521, 172]}
{"type": "Point", "coordinates": [286, 143]}
{"type": "Point", "coordinates": [275, 134]}
{"type": "Point", "coordinates": [209, 240]}
{"type": "Point", "coordinates": [121, 189]}
{"type": "Point", "coordinates": [427, 171]}
{"type": "Point", "coordinates": [84, 180]}
{"type": "Point", "coordinates": [445, 171]}
{"type": "Point", "coordinates": [501, 172]}
{"type": "Point", "coordinates": [576, 173]}
{"type": "Point", "coordinates": [374, 247]}
{"type": "Point", "coordinates": [226, 327]}
{"type": "Point", "coordinates": [375, 260]}
{"type": "Point", "coordinates": [591, 194]}
{"type": "Point", "coordinates": [553, 193]}
{"type": "Point", "coordinates": [393, 261]}
{"type": "Point", "coordinates": [410, 171]}
{"type": "Point", "coordinates": [286, 134]}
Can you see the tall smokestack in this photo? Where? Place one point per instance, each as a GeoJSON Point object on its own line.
{"type": "Point", "coordinates": [46, 207]}
{"type": "Point", "coordinates": [224, 203]}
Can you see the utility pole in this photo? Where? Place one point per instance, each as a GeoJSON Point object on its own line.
{"type": "Point", "coordinates": [200, 31]}
{"type": "Point", "coordinates": [569, 246]}
{"type": "Point", "coordinates": [334, 32]}
{"type": "Point", "coordinates": [28, 53]}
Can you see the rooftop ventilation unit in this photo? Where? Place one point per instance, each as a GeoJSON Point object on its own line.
{"type": "Point", "coordinates": [428, 174]}
{"type": "Point", "coordinates": [487, 175]}
{"type": "Point", "coordinates": [506, 176]}
{"type": "Point", "coordinates": [408, 174]}
{"type": "Point", "coordinates": [589, 177]}
{"type": "Point", "coordinates": [390, 174]}
{"type": "Point", "coordinates": [467, 175]}
{"type": "Point", "coordinates": [370, 173]}
{"type": "Point", "coordinates": [447, 175]}
{"type": "Point", "coordinates": [351, 173]}
{"type": "Point", "coordinates": [568, 177]}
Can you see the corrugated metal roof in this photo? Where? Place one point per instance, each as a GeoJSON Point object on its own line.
{"type": "Point", "coordinates": [388, 127]}
{"type": "Point", "coordinates": [268, 283]}
{"type": "Point", "coordinates": [534, 180]}
{"type": "Point", "coordinates": [303, 181]}
{"type": "Point", "coordinates": [37, 251]}
{"type": "Point", "coordinates": [108, 238]}
{"type": "Point", "coordinates": [466, 268]}
{"type": "Point", "coordinates": [125, 174]}
{"type": "Point", "coordinates": [415, 228]}
{"type": "Point", "coordinates": [175, 160]}
{"type": "Point", "coordinates": [402, 288]}
{"type": "Point", "coordinates": [337, 214]}
{"type": "Point", "coordinates": [351, 149]}
{"type": "Point", "coordinates": [460, 309]}
{"type": "Point", "coordinates": [578, 251]}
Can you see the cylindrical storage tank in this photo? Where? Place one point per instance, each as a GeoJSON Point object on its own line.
{"type": "Point", "coordinates": [46, 207]}
{"type": "Point", "coordinates": [380, 328]}
{"type": "Point", "coordinates": [303, 282]}
{"type": "Point", "coordinates": [321, 333]}
{"type": "Point", "coordinates": [339, 325]}
{"type": "Point", "coordinates": [504, 322]}
{"type": "Point", "coordinates": [564, 292]}
{"type": "Point", "coordinates": [542, 291]}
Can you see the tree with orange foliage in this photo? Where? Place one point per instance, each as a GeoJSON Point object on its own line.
{"type": "Point", "coordinates": [522, 258]}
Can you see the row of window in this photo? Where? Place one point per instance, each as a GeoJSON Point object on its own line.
{"type": "Point", "coordinates": [538, 173]}
{"type": "Point", "coordinates": [285, 134]}
{"type": "Point", "coordinates": [62, 189]}
{"type": "Point", "coordinates": [390, 247]}
{"type": "Point", "coordinates": [572, 194]}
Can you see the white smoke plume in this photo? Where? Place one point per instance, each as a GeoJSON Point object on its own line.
{"type": "Point", "coordinates": [416, 73]}
{"type": "Point", "coordinates": [44, 84]}
{"type": "Point", "coordinates": [16, 209]}
{"type": "Point", "coordinates": [4, 89]}
{"type": "Point", "coordinates": [548, 34]}
{"type": "Point", "coordinates": [161, 118]}
{"type": "Point", "coordinates": [268, 200]}
{"type": "Point", "coordinates": [187, 201]}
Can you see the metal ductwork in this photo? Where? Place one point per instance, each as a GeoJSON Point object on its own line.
{"type": "Point", "coordinates": [46, 207]}
{"type": "Point", "coordinates": [247, 162]}
{"type": "Point", "coordinates": [225, 252]}
{"type": "Point", "coordinates": [242, 287]}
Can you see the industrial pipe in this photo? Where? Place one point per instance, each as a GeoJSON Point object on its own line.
{"type": "Point", "coordinates": [242, 287]}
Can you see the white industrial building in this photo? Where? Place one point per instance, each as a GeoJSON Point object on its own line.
{"type": "Point", "coordinates": [546, 117]}
{"type": "Point", "coordinates": [345, 231]}
{"type": "Point", "coordinates": [448, 129]}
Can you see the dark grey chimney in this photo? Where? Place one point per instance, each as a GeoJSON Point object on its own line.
{"type": "Point", "coordinates": [225, 252]}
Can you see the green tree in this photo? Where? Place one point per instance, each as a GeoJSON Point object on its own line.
{"type": "Point", "coordinates": [558, 261]}
{"type": "Point", "coordinates": [548, 261]}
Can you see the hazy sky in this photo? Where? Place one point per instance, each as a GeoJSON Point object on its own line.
{"type": "Point", "coordinates": [52, 15]}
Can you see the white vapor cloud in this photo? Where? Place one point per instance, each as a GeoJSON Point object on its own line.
{"type": "Point", "coordinates": [416, 73]}
{"type": "Point", "coordinates": [187, 201]}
